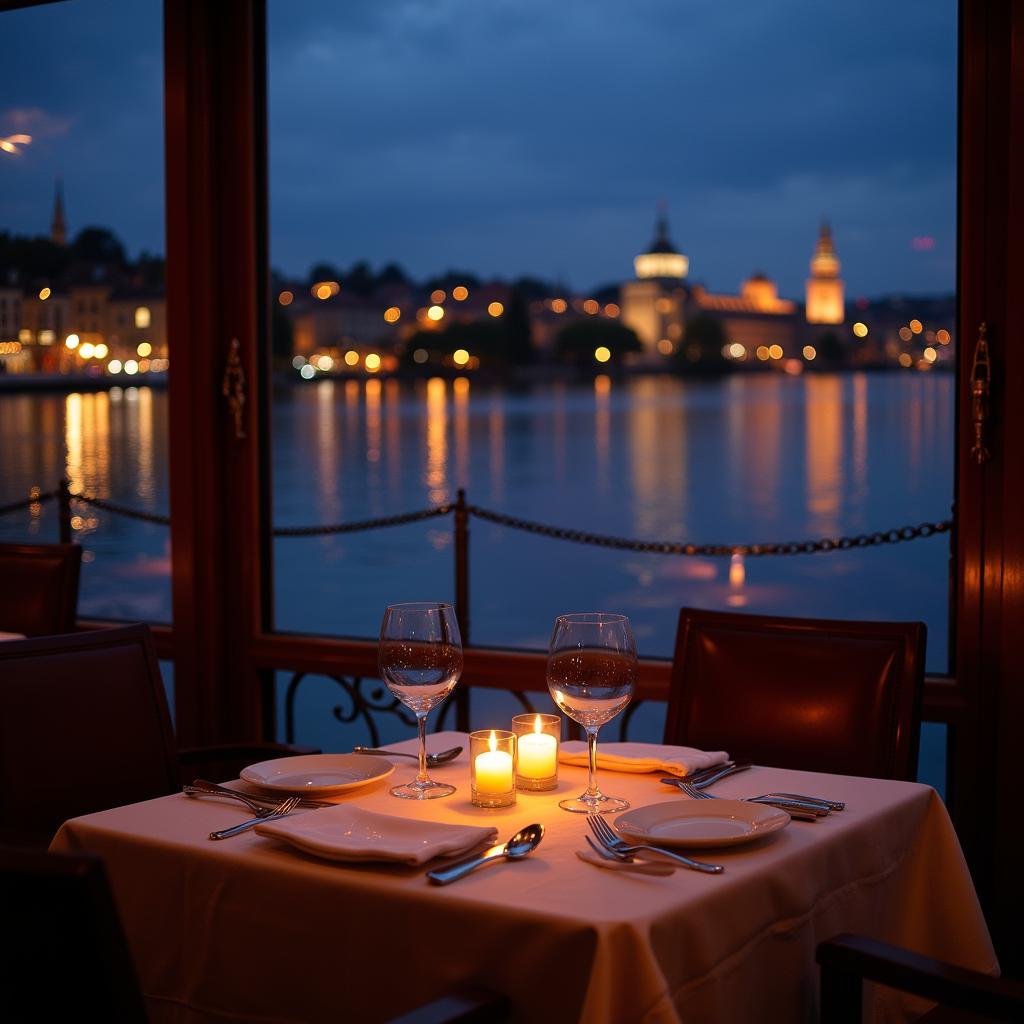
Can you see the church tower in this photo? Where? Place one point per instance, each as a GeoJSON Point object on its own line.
{"type": "Point", "coordinates": [58, 229]}
{"type": "Point", "coordinates": [825, 286]}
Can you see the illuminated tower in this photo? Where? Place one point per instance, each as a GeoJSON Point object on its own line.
{"type": "Point", "coordinates": [824, 286]}
{"type": "Point", "coordinates": [661, 259]}
{"type": "Point", "coordinates": [58, 229]}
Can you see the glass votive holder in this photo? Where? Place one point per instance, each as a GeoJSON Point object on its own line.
{"type": "Point", "coordinates": [537, 751]}
{"type": "Point", "coordinates": [492, 767]}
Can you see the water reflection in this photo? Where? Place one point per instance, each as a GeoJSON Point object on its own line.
{"type": "Point", "coordinates": [602, 429]}
{"type": "Point", "coordinates": [328, 491]}
{"type": "Point", "coordinates": [436, 476]}
{"type": "Point", "coordinates": [823, 439]}
{"type": "Point", "coordinates": [658, 457]}
{"type": "Point", "coordinates": [460, 389]}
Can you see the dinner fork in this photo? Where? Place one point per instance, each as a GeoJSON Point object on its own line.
{"type": "Point", "coordinates": [799, 809]}
{"type": "Point", "coordinates": [284, 808]}
{"type": "Point", "coordinates": [607, 837]}
{"type": "Point", "coordinates": [626, 861]}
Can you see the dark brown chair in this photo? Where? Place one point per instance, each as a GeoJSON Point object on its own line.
{"type": "Point", "coordinates": [66, 956]}
{"type": "Point", "coordinates": [39, 588]}
{"type": "Point", "coordinates": [84, 726]}
{"type": "Point", "coordinates": [963, 996]}
{"type": "Point", "coordinates": [840, 697]}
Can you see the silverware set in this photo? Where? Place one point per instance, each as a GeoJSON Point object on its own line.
{"type": "Point", "coordinates": [799, 806]}
{"type": "Point", "coordinates": [284, 808]}
{"type": "Point", "coordinates": [625, 852]}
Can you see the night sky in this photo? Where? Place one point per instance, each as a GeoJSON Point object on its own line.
{"type": "Point", "coordinates": [512, 137]}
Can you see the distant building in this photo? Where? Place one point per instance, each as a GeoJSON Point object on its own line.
{"type": "Point", "coordinates": [660, 302]}
{"type": "Point", "coordinates": [824, 286]}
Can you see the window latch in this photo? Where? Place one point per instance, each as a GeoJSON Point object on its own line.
{"type": "Point", "coordinates": [233, 387]}
{"type": "Point", "coordinates": [981, 382]}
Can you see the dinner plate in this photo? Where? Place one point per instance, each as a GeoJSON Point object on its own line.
{"type": "Point", "coordinates": [318, 774]}
{"type": "Point", "coordinates": [694, 823]}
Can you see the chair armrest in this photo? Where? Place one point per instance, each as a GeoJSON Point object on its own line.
{"type": "Point", "coordinates": [847, 960]}
{"type": "Point", "coordinates": [468, 1006]}
{"type": "Point", "coordinates": [224, 762]}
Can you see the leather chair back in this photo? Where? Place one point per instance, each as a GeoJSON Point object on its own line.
{"type": "Point", "coordinates": [39, 588]}
{"type": "Point", "coordinates": [826, 696]}
{"type": "Point", "coordinates": [67, 957]}
{"type": "Point", "coordinates": [83, 726]}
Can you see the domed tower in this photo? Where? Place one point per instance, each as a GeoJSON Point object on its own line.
{"type": "Point", "coordinates": [662, 259]}
{"type": "Point", "coordinates": [825, 286]}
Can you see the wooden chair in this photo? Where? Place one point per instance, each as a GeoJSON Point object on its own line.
{"type": "Point", "coordinates": [66, 956]}
{"type": "Point", "coordinates": [84, 726]}
{"type": "Point", "coordinates": [840, 697]}
{"type": "Point", "coordinates": [39, 588]}
{"type": "Point", "coordinates": [848, 960]}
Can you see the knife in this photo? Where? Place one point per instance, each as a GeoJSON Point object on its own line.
{"type": "Point", "coordinates": [708, 775]}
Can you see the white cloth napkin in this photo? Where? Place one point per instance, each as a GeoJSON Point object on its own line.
{"type": "Point", "coordinates": [643, 757]}
{"type": "Point", "coordinates": [349, 833]}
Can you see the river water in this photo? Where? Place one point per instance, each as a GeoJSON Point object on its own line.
{"type": "Point", "coordinates": [747, 459]}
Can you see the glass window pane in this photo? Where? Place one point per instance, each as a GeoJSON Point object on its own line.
{"type": "Point", "coordinates": [83, 346]}
{"type": "Point", "coordinates": [667, 273]}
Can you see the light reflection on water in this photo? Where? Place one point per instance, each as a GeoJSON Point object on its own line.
{"type": "Point", "coordinates": [748, 459]}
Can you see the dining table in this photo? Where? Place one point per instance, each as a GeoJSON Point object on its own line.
{"type": "Point", "coordinates": [251, 929]}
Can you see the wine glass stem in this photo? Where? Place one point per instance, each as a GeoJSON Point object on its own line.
{"type": "Point", "coordinates": [592, 789]}
{"type": "Point", "coordinates": [421, 725]}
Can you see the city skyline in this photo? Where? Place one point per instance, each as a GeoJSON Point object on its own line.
{"type": "Point", "coordinates": [382, 149]}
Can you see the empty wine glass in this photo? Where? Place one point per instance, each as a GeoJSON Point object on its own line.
{"type": "Point", "coordinates": [592, 676]}
{"type": "Point", "coordinates": [420, 661]}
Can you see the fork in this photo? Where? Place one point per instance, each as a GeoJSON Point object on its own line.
{"type": "Point", "coordinates": [200, 787]}
{"type": "Point", "coordinates": [607, 837]}
{"type": "Point", "coordinates": [798, 809]}
{"type": "Point", "coordinates": [626, 861]}
{"type": "Point", "coordinates": [283, 808]}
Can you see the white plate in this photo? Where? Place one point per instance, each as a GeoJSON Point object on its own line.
{"type": "Point", "coordinates": [694, 823]}
{"type": "Point", "coordinates": [318, 774]}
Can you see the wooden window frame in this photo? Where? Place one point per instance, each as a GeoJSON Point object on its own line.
{"type": "Point", "coordinates": [222, 642]}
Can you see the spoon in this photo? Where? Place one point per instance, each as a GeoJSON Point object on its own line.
{"type": "Point", "coordinates": [432, 759]}
{"type": "Point", "coordinates": [518, 846]}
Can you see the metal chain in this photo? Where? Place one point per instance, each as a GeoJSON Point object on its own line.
{"type": "Point", "coordinates": [861, 540]}
{"type": "Point", "coordinates": [121, 510]}
{"type": "Point", "coordinates": [365, 524]}
{"type": "Point", "coordinates": [35, 499]}
{"type": "Point", "coordinates": [806, 547]}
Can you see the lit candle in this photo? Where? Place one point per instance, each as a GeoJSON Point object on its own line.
{"type": "Point", "coordinates": [494, 769]}
{"type": "Point", "coordinates": [538, 753]}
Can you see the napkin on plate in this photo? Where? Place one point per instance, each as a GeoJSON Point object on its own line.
{"type": "Point", "coordinates": [643, 757]}
{"type": "Point", "coordinates": [349, 833]}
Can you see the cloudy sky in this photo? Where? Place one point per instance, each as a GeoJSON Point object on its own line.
{"type": "Point", "coordinates": [516, 137]}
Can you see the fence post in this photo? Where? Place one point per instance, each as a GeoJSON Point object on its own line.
{"type": "Point", "coordinates": [64, 509]}
{"type": "Point", "coordinates": [462, 598]}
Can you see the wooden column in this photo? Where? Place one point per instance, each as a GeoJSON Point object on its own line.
{"type": "Point", "coordinates": [215, 77]}
{"type": "Point", "coordinates": [989, 652]}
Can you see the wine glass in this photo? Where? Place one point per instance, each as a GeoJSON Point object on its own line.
{"type": "Point", "coordinates": [591, 676]}
{"type": "Point", "coordinates": [420, 661]}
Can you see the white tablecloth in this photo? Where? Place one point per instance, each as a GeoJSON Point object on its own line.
{"type": "Point", "coordinates": [247, 929]}
{"type": "Point", "coordinates": [11, 636]}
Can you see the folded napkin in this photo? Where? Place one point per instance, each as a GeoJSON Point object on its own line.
{"type": "Point", "coordinates": [349, 833]}
{"type": "Point", "coordinates": [643, 757]}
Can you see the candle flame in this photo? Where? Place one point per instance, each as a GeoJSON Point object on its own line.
{"type": "Point", "coordinates": [537, 724]}
{"type": "Point", "coordinates": [493, 741]}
